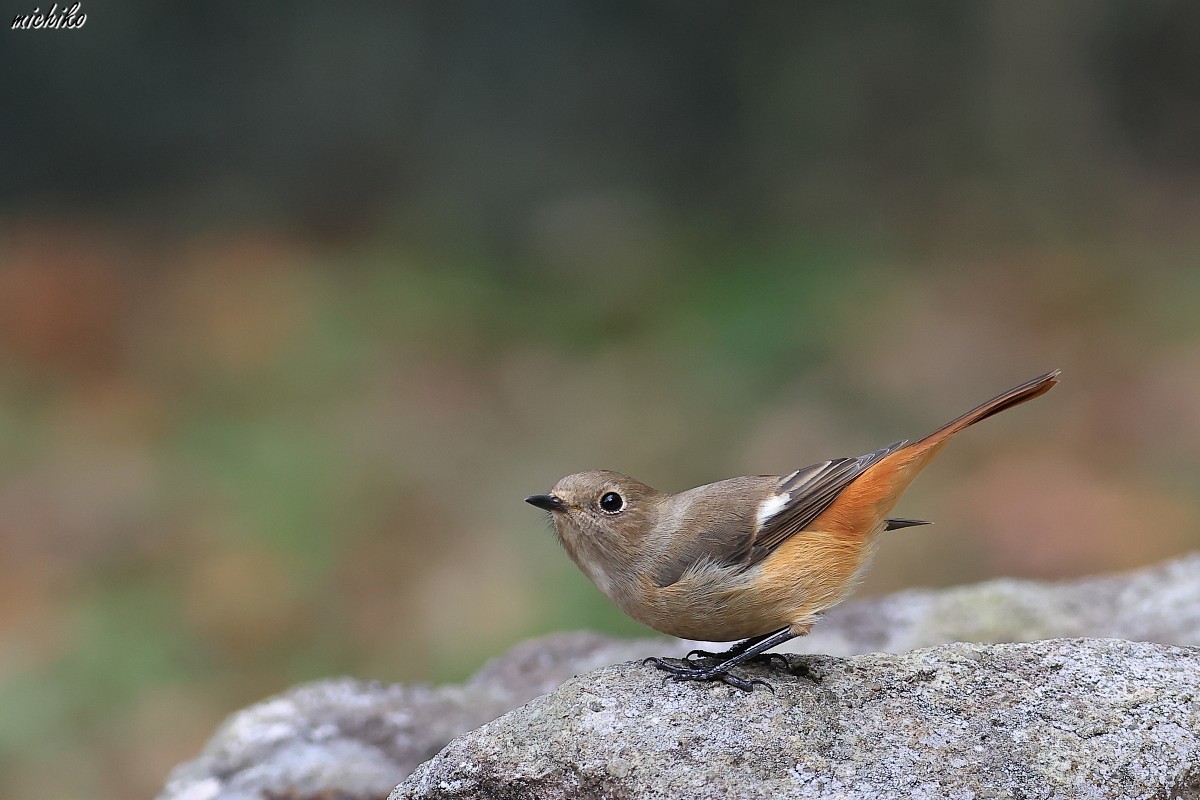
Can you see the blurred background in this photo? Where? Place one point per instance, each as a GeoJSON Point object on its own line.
{"type": "Point", "coordinates": [298, 302]}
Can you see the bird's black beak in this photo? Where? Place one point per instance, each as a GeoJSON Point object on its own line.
{"type": "Point", "coordinates": [547, 502]}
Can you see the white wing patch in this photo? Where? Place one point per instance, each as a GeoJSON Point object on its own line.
{"type": "Point", "coordinates": [772, 506]}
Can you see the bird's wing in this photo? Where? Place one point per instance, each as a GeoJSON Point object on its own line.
{"type": "Point", "coordinates": [802, 496]}
{"type": "Point", "coordinates": [740, 535]}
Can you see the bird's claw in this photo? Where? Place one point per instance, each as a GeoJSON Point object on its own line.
{"type": "Point", "coordinates": [701, 654]}
{"type": "Point", "coordinates": [762, 658]}
{"type": "Point", "coordinates": [765, 658]}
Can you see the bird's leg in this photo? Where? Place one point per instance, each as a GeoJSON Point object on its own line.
{"type": "Point", "coordinates": [736, 650]}
{"type": "Point", "coordinates": [745, 645]}
{"type": "Point", "coordinates": [720, 672]}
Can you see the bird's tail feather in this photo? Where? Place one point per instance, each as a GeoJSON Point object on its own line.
{"type": "Point", "coordinates": [1013, 397]}
{"type": "Point", "coordinates": [865, 503]}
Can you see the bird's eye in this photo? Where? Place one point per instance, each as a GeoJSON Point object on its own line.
{"type": "Point", "coordinates": [611, 502]}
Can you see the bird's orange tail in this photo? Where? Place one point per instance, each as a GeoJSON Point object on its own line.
{"type": "Point", "coordinates": [862, 505]}
{"type": "Point", "coordinates": [1013, 397]}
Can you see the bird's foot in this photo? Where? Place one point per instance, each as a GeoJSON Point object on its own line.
{"type": "Point", "coordinates": [713, 673]}
{"type": "Point", "coordinates": [761, 658]}
{"type": "Point", "coordinates": [707, 654]}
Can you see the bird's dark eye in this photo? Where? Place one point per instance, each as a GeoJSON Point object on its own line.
{"type": "Point", "coordinates": [611, 502]}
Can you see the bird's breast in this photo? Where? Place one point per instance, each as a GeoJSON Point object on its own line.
{"type": "Point", "coordinates": [712, 604]}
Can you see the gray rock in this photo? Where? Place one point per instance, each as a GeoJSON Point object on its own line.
{"type": "Point", "coordinates": [1156, 604]}
{"type": "Point", "coordinates": [351, 739]}
{"type": "Point", "coordinates": [1064, 718]}
{"type": "Point", "coordinates": [345, 739]}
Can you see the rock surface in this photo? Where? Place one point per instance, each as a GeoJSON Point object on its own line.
{"type": "Point", "coordinates": [1065, 718]}
{"type": "Point", "coordinates": [345, 739]}
{"type": "Point", "coordinates": [349, 739]}
{"type": "Point", "coordinates": [1156, 604]}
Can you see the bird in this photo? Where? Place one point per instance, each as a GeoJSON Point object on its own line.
{"type": "Point", "coordinates": [757, 558]}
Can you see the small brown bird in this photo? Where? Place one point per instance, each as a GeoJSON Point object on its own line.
{"type": "Point", "coordinates": [758, 558]}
